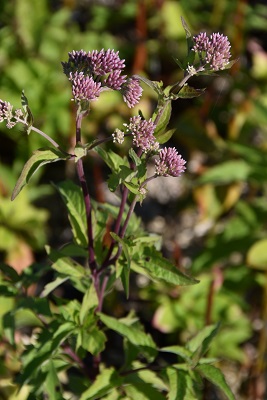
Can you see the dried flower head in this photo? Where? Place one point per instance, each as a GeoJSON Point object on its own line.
{"type": "Point", "coordinates": [143, 133]}
{"type": "Point", "coordinates": [131, 92]}
{"type": "Point", "coordinates": [6, 113]}
{"type": "Point", "coordinates": [213, 50]}
{"type": "Point", "coordinates": [170, 163]}
{"type": "Point", "coordinates": [118, 136]}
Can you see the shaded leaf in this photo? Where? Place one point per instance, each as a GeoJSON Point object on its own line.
{"type": "Point", "coordinates": [103, 384]}
{"type": "Point", "coordinates": [215, 376]}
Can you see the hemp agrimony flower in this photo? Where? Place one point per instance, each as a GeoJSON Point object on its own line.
{"type": "Point", "coordinates": [213, 50]}
{"type": "Point", "coordinates": [93, 72]}
{"type": "Point", "coordinates": [143, 133]}
{"type": "Point", "coordinates": [170, 163]}
{"type": "Point", "coordinates": [6, 113]}
{"type": "Point", "coordinates": [131, 92]}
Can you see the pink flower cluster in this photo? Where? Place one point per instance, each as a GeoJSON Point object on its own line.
{"type": "Point", "coordinates": [91, 73]}
{"type": "Point", "coordinates": [170, 163]}
{"type": "Point", "coordinates": [216, 49]}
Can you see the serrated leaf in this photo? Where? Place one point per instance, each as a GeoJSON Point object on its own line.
{"type": "Point", "coordinates": [65, 265]}
{"type": "Point", "coordinates": [162, 117]}
{"type": "Point", "coordinates": [177, 383]}
{"type": "Point", "coordinates": [89, 303]}
{"type": "Point", "coordinates": [200, 343]}
{"type": "Point", "coordinates": [74, 201]}
{"type": "Point", "coordinates": [27, 112]}
{"type": "Point", "coordinates": [161, 269]}
{"type": "Point", "coordinates": [178, 62]}
{"type": "Point", "coordinates": [92, 340]}
{"type": "Point", "coordinates": [137, 337]}
{"type": "Point", "coordinates": [112, 159]}
{"type": "Point", "coordinates": [165, 136]}
{"type": "Point", "coordinates": [215, 376]}
{"type": "Point", "coordinates": [52, 382]}
{"type": "Point", "coordinates": [125, 276]}
{"type": "Point", "coordinates": [188, 35]}
{"type": "Point", "coordinates": [154, 85]}
{"type": "Point", "coordinates": [188, 92]}
{"type": "Point", "coordinates": [39, 158]}
{"type": "Point", "coordinates": [179, 351]}
{"type": "Point", "coordinates": [103, 384]}
{"type": "Point", "coordinates": [49, 287]}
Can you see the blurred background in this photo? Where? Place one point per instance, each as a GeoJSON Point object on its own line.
{"type": "Point", "coordinates": [213, 219]}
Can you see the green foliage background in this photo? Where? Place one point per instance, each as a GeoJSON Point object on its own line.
{"type": "Point", "coordinates": [217, 228]}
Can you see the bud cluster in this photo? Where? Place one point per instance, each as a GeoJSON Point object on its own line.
{"type": "Point", "coordinates": [6, 113]}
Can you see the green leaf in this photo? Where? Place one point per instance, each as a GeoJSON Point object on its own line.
{"type": "Point", "coordinates": [103, 384]}
{"type": "Point", "coordinates": [27, 112]}
{"type": "Point", "coordinates": [65, 265]}
{"type": "Point", "coordinates": [215, 376]}
{"type": "Point", "coordinates": [226, 172]}
{"type": "Point", "coordinates": [8, 322]}
{"type": "Point", "coordinates": [89, 303]}
{"type": "Point", "coordinates": [200, 343]}
{"type": "Point", "coordinates": [92, 340]}
{"type": "Point", "coordinates": [9, 272]}
{"type": "Point", "coordinates": [137, 337]}
{"type": "Point", "coordinates": [177, 382]}
{"type": "Point", "coordinates": [38, 159]}
{"type": "Point", "coordinates": [142, 391]}
{"type": "Point", "coordinates": [79, 151]}
{"type": "Point", "coordinates": [126, 268]}
{"type": "Point", "coordinates": [165, 136]}
{"type": "Point", "coordinates": [188, 92]}
{"type": "Point", "coordinates": [74, 201]}
{"type": "Point", "coordinates": [162, 115]}
{"type": "Point", "coordinates": [52, 382]}
{"type": "Point", "coordinates": [179, 351]}
{"type": "Point", "coordinates": [112, 159]}
{"type": "Point", "coordinates": [257, 255]}
{"type": "Point", "coordinates": [190, 43]}
{"type": "Point", "coordinates": [49, 287]}
{"type": "Point", "coordinates": [161, 269]}
{"type": "Point", "coordinates": [154, 85]}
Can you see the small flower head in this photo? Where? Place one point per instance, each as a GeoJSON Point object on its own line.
{"type": "Point", "coordinates": [118, 136]}
{"type": "Point", "coordinates": [215, 50]}
{"type": "Point", "coordinates": [6, 113]}
{"type": "Point", "coordinates": [93, 72]}
{"type": "Point", "coordinates": [170, 163]}
{"type": "Point", "coordinates": [143, 133]}
{"type": "Point", "coordinates": [105, 61]}
{"type": "Point", "coordinates": [84, 87]}
{"type": "Point", "coordinates": [131, 92]}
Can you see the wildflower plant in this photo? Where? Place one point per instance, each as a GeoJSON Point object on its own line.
{"type": "Point", "coordinates": [71, 334]}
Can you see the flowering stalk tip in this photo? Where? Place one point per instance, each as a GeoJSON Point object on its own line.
{"type": "Point", "coordinates": [170, 163]}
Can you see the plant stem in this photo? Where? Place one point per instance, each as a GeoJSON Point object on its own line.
{"type": "Point", "coordinates": [86, 196]}
{"type": "Point", "coordinates": [52, 141]}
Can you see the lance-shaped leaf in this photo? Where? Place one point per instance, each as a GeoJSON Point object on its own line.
{"type": "Point", "coordinates": [27, 112]}
{"type": "Point", "coordinates": [162, 117]}
{"type": "Point", "coordinates": [215, 376]}
{"type": "Point", "coordinates": [188, 92]}
{"type": "Point", "coordinates": [73, 199]}
{"type": "Point", "coordinates": [39, 158]}
{"type": "Point", "coordinates": [136, 336]}
{"type": "Point", "coordinates": [190, 43]}
{"type": "Point", "coordinates": [107, 380]}
{"type": "Point", "coordinates": [160, 269]}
